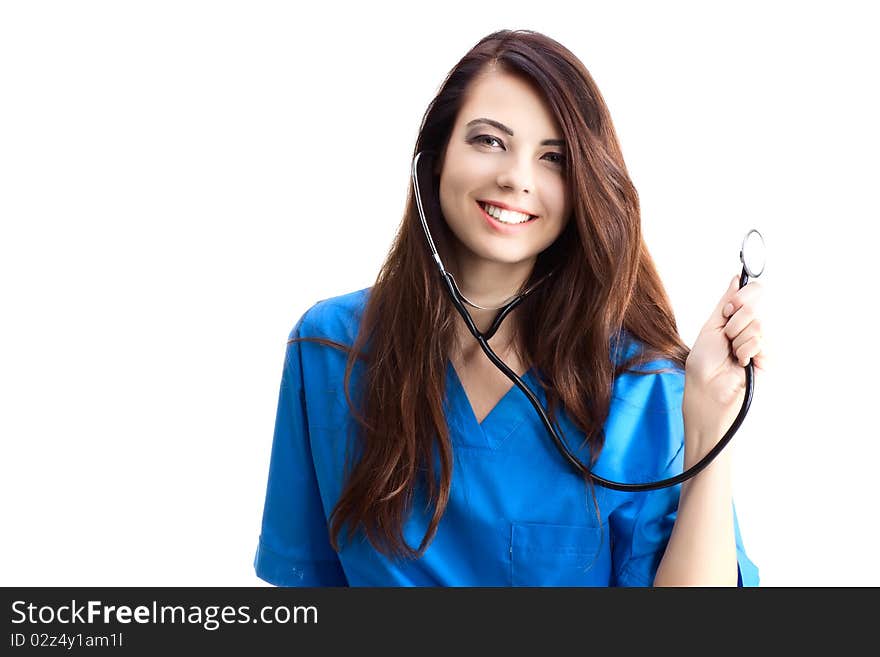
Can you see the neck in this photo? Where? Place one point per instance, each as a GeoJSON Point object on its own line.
{"type": "Point", "coordinates": [489, 284]}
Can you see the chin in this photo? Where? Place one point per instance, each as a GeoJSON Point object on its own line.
{"type": "Point", "coordinates": [508, 258]}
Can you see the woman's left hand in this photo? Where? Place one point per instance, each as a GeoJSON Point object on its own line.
{"type": "Point", "coordinates": [714, 375]}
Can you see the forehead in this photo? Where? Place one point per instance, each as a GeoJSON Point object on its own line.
{"type": "Point", "coordinates": [511, 99]}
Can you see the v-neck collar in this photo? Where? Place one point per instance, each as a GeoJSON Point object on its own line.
{"type": "Point", "coordinates": [505, 417]}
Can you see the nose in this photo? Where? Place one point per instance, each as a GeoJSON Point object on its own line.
{"type": "Point", "coordinates": [516, 174]}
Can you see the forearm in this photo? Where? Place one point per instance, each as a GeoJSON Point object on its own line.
{"type": "Point", "coordinates": [702, 548]}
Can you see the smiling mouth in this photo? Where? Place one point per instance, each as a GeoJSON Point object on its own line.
{"type": "Point", "coordinates": [505, 217]}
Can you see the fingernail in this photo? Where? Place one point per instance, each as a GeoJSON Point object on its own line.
{"type": "Point", "coordinates": [728, 309]}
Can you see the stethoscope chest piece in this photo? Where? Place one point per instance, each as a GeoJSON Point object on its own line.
{"type": "Point", "coordinates": [753, 253]}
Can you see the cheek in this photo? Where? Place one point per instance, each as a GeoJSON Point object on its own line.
{"type": "Point", "coordinates": [560, 195]}
{"type": "Point", "coordinates": [446, 198]}
{"type": "Point", "coordinates": [557, 203]}
{"type": "Point", "coordinates": [453, 197]}
{"type": "Point", "coordinates": [551, 233]}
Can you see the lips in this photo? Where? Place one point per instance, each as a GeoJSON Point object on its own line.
{"type": "Point", "coordinates": [504, 206]}
{"type": "Point", "coordinates": [501, 227]}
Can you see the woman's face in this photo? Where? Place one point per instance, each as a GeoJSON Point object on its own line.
{"type": "Point", "coordinates": [515, 163]}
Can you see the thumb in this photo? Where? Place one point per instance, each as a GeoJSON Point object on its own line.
{"type": "Point", "coordinates": [718, 314]}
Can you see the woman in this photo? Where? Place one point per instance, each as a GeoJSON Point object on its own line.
{"type": "Point", "coordinates": [405, 434]}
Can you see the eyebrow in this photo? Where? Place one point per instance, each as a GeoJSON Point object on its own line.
{"type": "Point", "coordinates": [504, 128]}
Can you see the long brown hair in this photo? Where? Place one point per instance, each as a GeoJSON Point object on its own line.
{"type": "Point", "coordinates": [604, 285]}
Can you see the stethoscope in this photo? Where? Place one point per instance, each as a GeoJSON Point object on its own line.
{"type": "Point", "coordinates": [752, 257]}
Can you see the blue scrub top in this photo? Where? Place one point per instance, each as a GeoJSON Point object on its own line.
{"type": "Point", "coordinates": [518, 514]}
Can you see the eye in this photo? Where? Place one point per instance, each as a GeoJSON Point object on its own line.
{"type": "Point", "coordinates": [485, 139]}
{"type": "Point", "coordinates": [560, 158]}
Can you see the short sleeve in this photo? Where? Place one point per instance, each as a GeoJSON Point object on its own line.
{"type": "Point", "coordinates": [294, 546]}
{"type": "Point", "coordinates": [642, 525]}
{"type": "Point", "coordinates": [641, 539]}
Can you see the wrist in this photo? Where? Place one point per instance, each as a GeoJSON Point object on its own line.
{"type": "Point", "coordinates": [698, 443]}
{"type": "Point", "coordinates": [700, 422]}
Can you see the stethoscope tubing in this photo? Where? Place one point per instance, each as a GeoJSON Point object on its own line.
{"type": "Point", "coordinates": [483, 340]}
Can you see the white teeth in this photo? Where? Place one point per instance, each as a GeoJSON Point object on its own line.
{"type": "Point", "coordinates": [505, 216]}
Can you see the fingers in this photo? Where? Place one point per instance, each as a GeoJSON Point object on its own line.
{"type": "Point", "coordinates": [750, 294]}
{"type": "Point", "coordinates": [748, 349]}
{"type": "Point", "coordinates": [753, 330]}
{"type": "Point", "coordinates": [743, 327]}
{"type": "Point", "coordinates": [743, 320]}
{"type": "Point", "coordinates": [741, 309]}
{"type": "Point", "coordinates": [761, 360]}
{"type": "Point", "coordinates": [725, 298]}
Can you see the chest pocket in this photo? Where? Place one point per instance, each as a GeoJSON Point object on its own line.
{"type": "Point", "coordinates": [559, 555]}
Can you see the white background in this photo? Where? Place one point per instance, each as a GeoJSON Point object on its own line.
{"type": "Point", "coordinates": [180, 181]}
